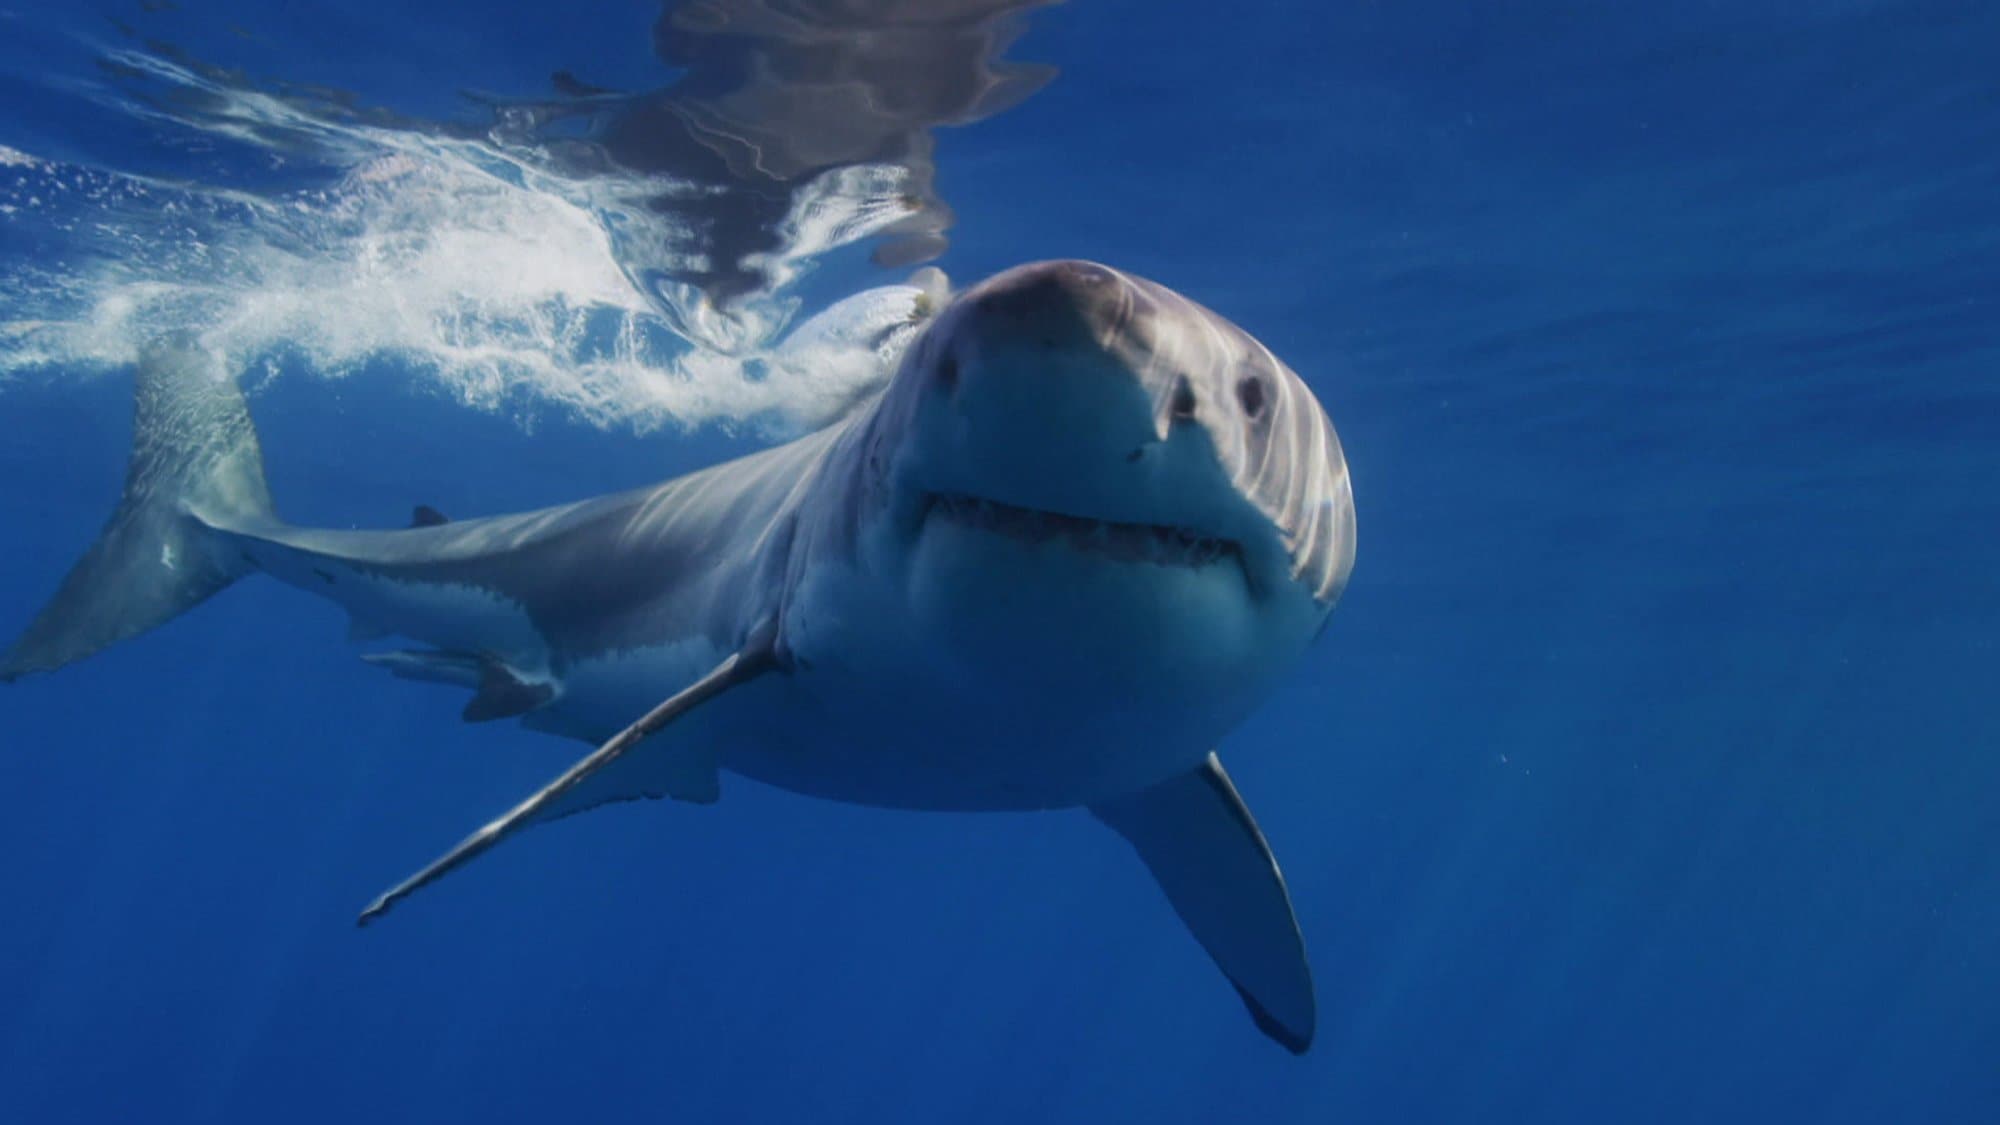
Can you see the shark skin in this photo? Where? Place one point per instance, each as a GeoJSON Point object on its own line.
{"type": "Point", "coordinates": [1079, 535]}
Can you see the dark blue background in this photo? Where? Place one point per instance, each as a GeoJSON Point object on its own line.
{"type": "Point", "coordinates": [1648, 772]}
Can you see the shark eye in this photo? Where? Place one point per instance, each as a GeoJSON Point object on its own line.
{"type": "Point", "coordinates": [1250, 392]}
{"type": "Point", "coordinates": [947, 371]}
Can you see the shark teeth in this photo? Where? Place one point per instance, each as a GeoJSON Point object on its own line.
{"type": "Point", "coordinates": [1161, 544]}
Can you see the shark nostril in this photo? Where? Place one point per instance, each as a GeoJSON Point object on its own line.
{"type": "Point", "coordinates": [1250, 392]}
{"type": "Point", "coordinates": [1087, 275]}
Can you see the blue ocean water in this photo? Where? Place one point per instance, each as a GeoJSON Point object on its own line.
{"type": "Point", "coordinates": [1645, 774]}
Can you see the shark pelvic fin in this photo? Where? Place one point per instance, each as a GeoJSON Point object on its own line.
{"type": "Point", "coordinates": [503, 694]}
{"type": "Point", "coordinates": [758, 655]}
{"type": "Point", "coordinates": [499, 691]}
{"type": "Point", "coordinates": [429, 667]}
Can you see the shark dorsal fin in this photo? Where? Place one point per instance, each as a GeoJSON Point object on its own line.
{"type": "Point", "coordinates": [426, 516]}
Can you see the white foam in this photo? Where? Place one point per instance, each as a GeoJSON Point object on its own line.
{"type": "Point", "coordinates": [488, 280]}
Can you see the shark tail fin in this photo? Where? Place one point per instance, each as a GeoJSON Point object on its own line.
{"type": "Point", "coordinates": [196, 469]}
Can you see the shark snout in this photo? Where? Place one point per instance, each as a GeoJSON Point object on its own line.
{"type": "Point", "coordinates": [1046, 306]}
{"type": "Point", "coordinates": [1045, 291]}
{"type": "Point", "coordinates": [1070, 384]}
{"type": "Point", "coordinates": [1079, 409]}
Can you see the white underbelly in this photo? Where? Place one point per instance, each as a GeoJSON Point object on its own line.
{"type": "Point", "coordinates": [882, 710]}
{"type": "Point", "coordinates": [1052, 700]}
{"type": "Point", "coordinates": [911, 737]}
{"type": "Point", "coordinates": [955, 751]}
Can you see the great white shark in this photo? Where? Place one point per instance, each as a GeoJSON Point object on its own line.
{"type": "Point", "coordinates": [1071, 543]}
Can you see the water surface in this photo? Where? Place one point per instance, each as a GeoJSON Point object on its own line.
{"type": "Point", "coordinates": [1645, 773]}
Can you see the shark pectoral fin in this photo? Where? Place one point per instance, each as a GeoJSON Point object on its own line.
{"type": "Point", "coordinates": [758, 656]}
{"type": "Point", "coordinates": [1210, 858]}
{"type": "Point", "coordinates": [673, 769]}
{"type": "Point", "coordinates": [457, 668]}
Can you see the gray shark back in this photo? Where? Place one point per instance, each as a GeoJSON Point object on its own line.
{"type": "Point", "coordinates": [599, 575]}
{"type": "Point", "coordinates": [690, 556]}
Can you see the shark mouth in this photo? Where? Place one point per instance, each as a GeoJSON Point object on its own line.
{"type": "Point", "coordinates": [1160, 544]}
